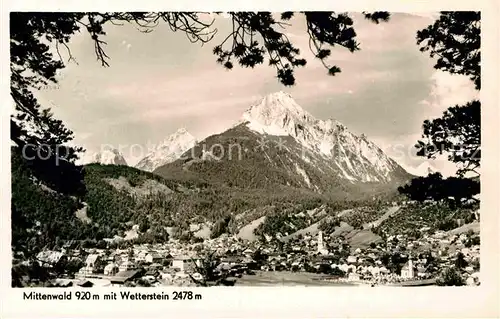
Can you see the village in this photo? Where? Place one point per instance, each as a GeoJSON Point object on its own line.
{"type": "Point", "coordinates": [398, 260]}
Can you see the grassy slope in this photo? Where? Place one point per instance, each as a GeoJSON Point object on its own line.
{"type": "Point", "coordinates": [416, 216]}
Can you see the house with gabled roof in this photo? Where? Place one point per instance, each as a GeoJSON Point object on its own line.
{"type": "Point", "coordinates": [352, 259]}
{"type": "Point", "coordinates": [408, 271]}
{"type": "Point", "coordinates": [127, 265]}
{"type": "Point", "coordinates": [153, 257]}
{"type": "Point", "coordinates": [111, 269]}
{"type": "Point", "coordinates": [126, 276]}
{"type": "Point", "coordinates": [51, 258]}
{"type": "Point", "coordinates": [184, 263]}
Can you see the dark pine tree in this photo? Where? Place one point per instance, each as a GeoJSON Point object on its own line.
{"type": "Point", "coordinates": [455, 39]}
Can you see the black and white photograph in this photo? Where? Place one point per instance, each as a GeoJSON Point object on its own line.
{"type": "Point", "coordinates": [245, 149]}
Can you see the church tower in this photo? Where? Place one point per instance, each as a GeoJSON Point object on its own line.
{"type": "Point", "coordinates": [411, 269]}
{"type": "Point", "coordinates": [321, 247]}
{"type": "Point", "coordinates": [320, 241]}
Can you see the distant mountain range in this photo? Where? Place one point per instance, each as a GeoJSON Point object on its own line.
{"type": "Point", "coordinates": [110, 157]}
{"type": "Point", "coordinates": [278, 143]}
{"type": "Point", "coordinates": [168, 151]}
{"type": "Point", "coordinates": [424, 169]}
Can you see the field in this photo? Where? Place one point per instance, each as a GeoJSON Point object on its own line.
{"type": "Point", "coordinates": [474, 226]}
{"type": "Point", "coordinates": [246, 232]}
{"type": "Point", "coordinates": [286, 278]}
{"type": "Point", "coordinates": [412, 217]}
{"type": "Point", "coordinates": [390, 212]}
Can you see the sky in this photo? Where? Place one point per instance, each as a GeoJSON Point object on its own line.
{"type": "Point", "coordinates": [159, 82]}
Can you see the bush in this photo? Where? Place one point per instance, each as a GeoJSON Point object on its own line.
{"type": "Point", "coordinates": [337, 272]}
{"type": "Point", "coordinates": [220, 227]}
{"type": "Point", "coordinates": [144, 225]}
{"type": "Point", "coordinates": [460, 261]}
{"type": "Point", "coordinates": [450, 277]}
{"type": "Point", "coordinates": [282, 222]}
{"type": "Point", "coordinates": [328, 225]}
{"type": "Point", "coordinates": [446, 225]}
{"type": "Point", "coordinates": [476, 240]}
{"type": "Point", "coordinates": [143, 283]}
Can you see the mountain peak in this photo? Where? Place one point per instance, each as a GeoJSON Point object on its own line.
{"type": "Point", "coordinates": [426, 168]}
{"type": "Point", "coordinates": [279, 95]}
{"type": "Point", "coordinates": [423, 169]}
{"type": "Point", "coordinates": [276, 114]}
{"type": "Point", "coordinates": [281, 101]}
{"type": "Point", "coordinates": [177, 137]}
{"type": "Point", "coordinates": [110, 156]}
{"type": "Point", "coordinates": [168, 151]}
{"type": "Point", "coordinates": [181, 131]}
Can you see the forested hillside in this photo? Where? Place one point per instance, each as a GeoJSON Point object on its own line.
{"type": "Point", "coordinates": [45, 218]}
{"type": "Point", "coordinates": [115, 198]}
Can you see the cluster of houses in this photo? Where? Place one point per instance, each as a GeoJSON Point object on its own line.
{"type": "Point", "coordinates": [366, 264]}
{"type": "Point", "coordinates": [175, 263]}
{"type": "Point", "coordinates": [124, 267]}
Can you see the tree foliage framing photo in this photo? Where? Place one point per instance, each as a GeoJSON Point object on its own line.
{"type": "Point", "coordinates": [38, 40]}
{"type": "Point", "coordinates": [455, 39]}
{"type": "Point", "coordinates": [255, 37]}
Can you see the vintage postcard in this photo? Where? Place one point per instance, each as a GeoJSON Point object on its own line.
{"type": "Point", "coordinates": [156, 154]}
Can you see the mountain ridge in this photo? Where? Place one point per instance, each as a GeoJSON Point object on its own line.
{"type": "Point", "coordinates": [109, 156]}
{"type": "Point", "coordinates": [170, 149]}
{"type": "Point", "coordinates": [279, 143]}
{"type": "Point", "coordinates": [279, 114]}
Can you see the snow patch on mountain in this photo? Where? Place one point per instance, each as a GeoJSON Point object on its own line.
{"type": "Point", "coordinates": [303, 173]}
{"type": "Point", "coordinates": [274, 115]}
{"type": "Point", "coordinates": [168, 151]}
{"type": "Point", "coordinates": [424, 169]}
{"type": "Point", "coordinates": [110, 157]}
{"type": "Point", "coordinates": [357, 158]}
{"type": "Point", "coordinates": [346, 175]}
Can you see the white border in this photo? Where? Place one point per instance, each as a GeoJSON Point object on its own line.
{"type": "Point", "coordinates": [456, 302]}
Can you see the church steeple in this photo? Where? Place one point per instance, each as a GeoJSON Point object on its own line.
{"type": "Point", "coordinates": [320, 241]}
{"type": "Point", "coordinates": [411, 268]}
{"type": "Point", "coordinates": [321, 247]}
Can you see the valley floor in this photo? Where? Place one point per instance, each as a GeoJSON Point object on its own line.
{"type": "Point", "coordinates": [288, 278]}
{"type": "Point", "coordinates": [349, 256]}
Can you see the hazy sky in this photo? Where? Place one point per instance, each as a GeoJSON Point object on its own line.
{"type": "Point", "coordinates": [159, 82]}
